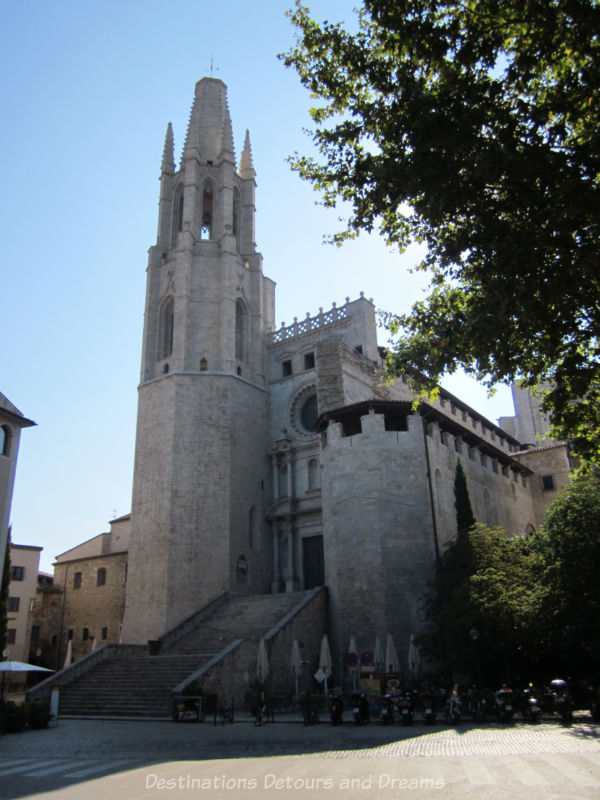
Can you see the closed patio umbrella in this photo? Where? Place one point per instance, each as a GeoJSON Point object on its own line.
{"type": "Point", "coordinates": [325, 662]}
{"type": "Point", "coordinates": [352, 648]}
{"type": "Point", "coordinates": [392, 663]}
{"type": "Point", "coordinates": [414, 658]}
{"type": "Point", "coordinates": [296, 661]}
{"type": "Point", "coordinates": [262, 662]}
{"type": "Point", "coordinates": [378, 655]}
{"type": "Point", "coordinates": [69, 656]}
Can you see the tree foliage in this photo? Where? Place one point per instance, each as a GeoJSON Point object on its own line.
{"type": "Point", "coordinates": [567, 547]}
{"type": "Point", "coordinates": [473, 127]}
{"type": "Point", "coordinates": [535, 601]}
{"type": "Point", "coordinates": [481, 606]}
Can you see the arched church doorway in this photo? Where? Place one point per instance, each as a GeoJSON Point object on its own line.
{"type": "Point", "coordinates": [313, 563]}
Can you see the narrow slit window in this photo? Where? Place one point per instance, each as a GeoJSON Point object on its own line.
{"type": "Point", "coordinates": [206, 231]}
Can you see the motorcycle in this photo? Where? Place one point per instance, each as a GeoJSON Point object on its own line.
{"type": "Point", "coordinates": [531, 708]}
{"type": "Point", "coordinates": [387, 710]}
{"type": "Point", "coordinates": [504, 704]}
{"type": "Point", "coordinates": [360, 709]}
{"type": "Point", "coordinates": [453, 711]}
{"type": "Point", "coordinates": [406, 709]}
{"type": "Point", "coordinates": [562, 703]}
{"type": "Point", "coordinates": [477, 705]}
{"type": "Point", "coordinates": [428, 713]}
{"type": "Point", "coordinates": [336, 709]}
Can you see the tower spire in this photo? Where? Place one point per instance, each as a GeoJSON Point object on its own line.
{"type": "Point", "coordinates": [246, 165]}
{"type": "Point", "coordinates": [204, 137]}
{"type": "Point", "coordinates": [168, 159]}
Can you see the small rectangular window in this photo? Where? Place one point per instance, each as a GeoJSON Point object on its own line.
{"type": "Point", "coordinates": [286, 367]}
{"type": "Point", "coordinates": [13, 603]}
{"type": "Point", "coordinates": [85, 634]}
{"type": "Point", "coordinates": [77, 580]}
{"type": "Point", "coordinates": [11, 636]}
{"type": "Point", "coordinates": [17, 573]}
{"type": "Point", "coordinates": [70, 634]}
{"type": "Point", "coordinates": [105, 633]}
{"type": "Point", "coordinates": [101, 577]}
{"type": "Point", "coordinates": [35, 633]}
{"type": "Point", "coordinates": [309, 360]}
{"type": "Point", "coordinates": [547, 483]}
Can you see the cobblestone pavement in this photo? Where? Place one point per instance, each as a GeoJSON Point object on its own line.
{"type": "Point", "coordinates": [127, 760]}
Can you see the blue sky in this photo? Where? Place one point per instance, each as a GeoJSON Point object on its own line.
{"type": "Point", "coordinates": [88, 90]}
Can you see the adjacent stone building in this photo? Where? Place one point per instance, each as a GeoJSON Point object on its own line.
{"type": "Point", "coordinates": [12, 423]}
{"type": "Point", "coordinates": [84, 603]}
{"type": "Point", "coordinates": [279, 460]}
{"type": "Point", "coordinates": [24, 565]}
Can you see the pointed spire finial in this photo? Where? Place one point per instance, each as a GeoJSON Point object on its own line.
{"type": "Point", "coordinates": [168, 159]}
{"type": "Point", "coordinates": [227, 140]}
{"type": "Point", "coordinates": [246, 165]}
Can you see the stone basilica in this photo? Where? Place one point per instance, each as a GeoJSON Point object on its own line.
{"type": "Point", "coordinates": [276, 460]}
{"type": "Point", "coordinates": [277, 465]}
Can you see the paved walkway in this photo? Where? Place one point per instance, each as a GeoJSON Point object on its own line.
{"type": "Point", "coordinates": [127, 760]}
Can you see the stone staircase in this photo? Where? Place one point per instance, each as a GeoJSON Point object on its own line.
{"type": "Point", "coordinates": [217, 644]}
{"type": "Point", "coordinates": [242, 617]}
{"type": "Point", "coordinates": [128, 685]}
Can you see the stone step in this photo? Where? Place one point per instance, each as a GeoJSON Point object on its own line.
{"type": "Point", "coordinates": [134, 683]}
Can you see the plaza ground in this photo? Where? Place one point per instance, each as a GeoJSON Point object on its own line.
{"type": "Point", "coordinates": [131, 760]}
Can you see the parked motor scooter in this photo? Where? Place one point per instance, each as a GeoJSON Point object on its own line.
{"type": "Point", "coordinates": [562, 703]}
{"type": "Point", "coordinates": [360, 709]}
{"type": "Point", "coordinates": [453, 710]}
{"type": "Point", "coordinates": [477, 704]}
{"type": "Point", "coordinates": [336, 708]}
{"type": "Point", "coordinates": [406, 709]}
{"type": "Point", "coordinates": [504, 704]}
{"type": "Point", "coordinates": [387, 710]}
{"type": "Point", "coordinates": [427, 707]}
{"type": "Point", "coordinates": [531, 707]}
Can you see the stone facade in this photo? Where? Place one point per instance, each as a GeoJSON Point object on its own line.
{"type": "Point", "coordinates": [24, 564]}
{"type": "Point", "coordinates": [276, 460]}
{"type": "Point", "coordinates": [85, 602]}
{"type": "Point", "coordinates": [12, 423]}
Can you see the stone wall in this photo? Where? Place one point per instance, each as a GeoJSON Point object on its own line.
{"type": "Point", "coordinates": [91, 609]}
{"type": "Point", "coordinates": [378, 533]}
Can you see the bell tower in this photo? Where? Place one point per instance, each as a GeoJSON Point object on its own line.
{"type": "Point", "coordinates": [200, 462]}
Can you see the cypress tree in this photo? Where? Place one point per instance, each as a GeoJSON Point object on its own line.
{"type": "Point", "coordinates": [462, 502]}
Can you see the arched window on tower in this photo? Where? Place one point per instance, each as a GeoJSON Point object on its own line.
{"type": "Point", "coordinates": [177, 212]}
{"type": "Point", "coordinates": [166, 322]}
{"type": "Point", "coordinates": [235, 222]}
{"type": "Point", "coordinates": [241, 331]}
{"type": "Point", "coordinates": [5, 437]}
{"type": "Point", "coordinates": [206, 230]}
